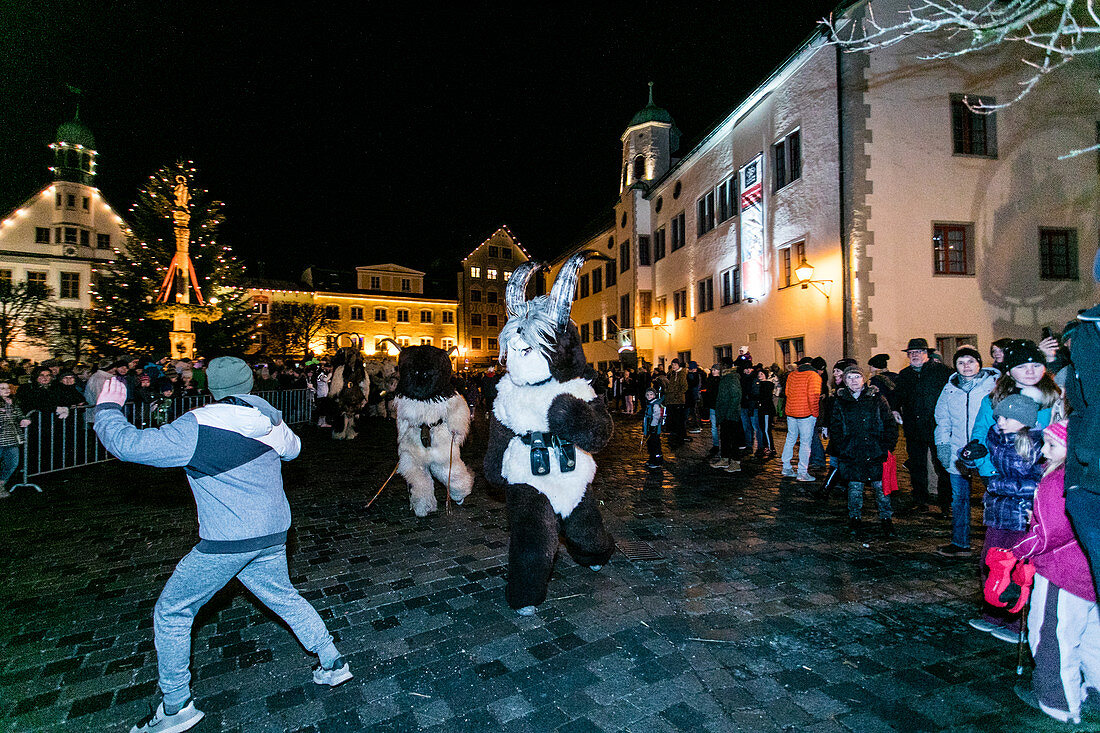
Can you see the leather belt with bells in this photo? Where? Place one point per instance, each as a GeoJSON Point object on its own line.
{"type": "Point", "coordinates": [540, 452]}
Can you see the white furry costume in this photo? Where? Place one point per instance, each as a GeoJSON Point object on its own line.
{"type": "Point", "coordinates": [429, 410]}
{"type": "Point", "coordinates": [545, 424]}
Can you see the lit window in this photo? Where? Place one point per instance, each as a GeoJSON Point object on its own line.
{"type": "Point", "coordinates": [953, 249]}
{"type": "Point", "coordinates": [507, 274]}
{"type": "Point", "coordinates": [491, 274]}
{"type": "Point", "coordinates": [70, 285]}
{"type": "Point", "coordinates": [492, 345]}
{"type": "Point", "coordinates": [447, 343]}
{"type": "Point", "coordinates": [425, 341]}
{"type": "Point", "coordinates": [475, 272]}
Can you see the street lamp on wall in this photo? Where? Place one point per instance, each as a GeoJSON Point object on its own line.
{"type": "Point", "coordinates": [805, 273]}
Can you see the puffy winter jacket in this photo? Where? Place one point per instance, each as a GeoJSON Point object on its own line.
{"type": "Point", "coordinates": [1050, 542]}
{"type": "Point", "coordinates": [1010, 492]}
{"type": "Point", "coordinates": [728, 404]}
{"type": "Point", "coordinates": [1083, 392]}
{"type": "Point", "coordinates": [985, 420]}
{"type": "Point", "coordinates": [956, 412]}
{"type": "Point", "coordinates": [676, 392]}
{"type": "Point", "coordinates": [803, 392]}
{"type": "Point", "coordinates": [861, 432]}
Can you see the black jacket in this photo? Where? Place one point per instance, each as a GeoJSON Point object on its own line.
{"type": "Point", "coordinates": [861, 432]}
{"type": "Point", "coordinates": [916, 394]}
{"type": "Point", "coordinates": [1083, 396]}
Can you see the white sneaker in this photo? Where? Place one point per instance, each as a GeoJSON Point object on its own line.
{"type": "Point", "coordinates": [982, 625]}
{"type": "Point", "coordinates": [159, 722]}
{"type": "Point", "coordinates": [1004, 634]}
{"type": "Point", "coordinates": [332, 677]}
{"type": "Point", "coordinates": [788, 473]}
{"type": "Point", "coordinates": [806, 477]}
{"type": "Point", "coordinates": [724, 463]}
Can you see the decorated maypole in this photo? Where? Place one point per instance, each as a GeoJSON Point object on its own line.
{"type": "Point", "coordinates": [175, 291]}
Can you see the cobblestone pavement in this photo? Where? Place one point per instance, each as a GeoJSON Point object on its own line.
{"type": "Point", "coordinates": [760, 615]}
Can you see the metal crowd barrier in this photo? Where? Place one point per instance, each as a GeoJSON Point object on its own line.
{"type": "Point", "coordinates": [52, 444]}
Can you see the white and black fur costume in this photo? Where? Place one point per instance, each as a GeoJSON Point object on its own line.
{"type": "Point", "coordinates": [546, 394]}
{"type": "Point", "coordinates": [432, 423]}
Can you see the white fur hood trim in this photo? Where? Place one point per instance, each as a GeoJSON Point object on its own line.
{"type": "Point", "coordinates": [523, 408]}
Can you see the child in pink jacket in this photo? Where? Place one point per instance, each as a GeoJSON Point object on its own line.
{"type": "Point", "coordinates": [1063, 626]}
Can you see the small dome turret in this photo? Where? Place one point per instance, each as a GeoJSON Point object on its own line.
{"type": "Point", "coordinates": [73, 152]}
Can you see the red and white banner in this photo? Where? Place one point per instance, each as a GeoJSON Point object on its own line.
{"type": "Point", "coordinates": [751, 179]}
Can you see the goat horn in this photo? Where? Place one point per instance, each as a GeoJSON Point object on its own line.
{"type": "Point", "coordinates": [565, 285]}
{"type": "Point", "coordinates": [515, 294]}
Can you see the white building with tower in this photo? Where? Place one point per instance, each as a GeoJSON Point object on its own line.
{"type": "Point", "coordinates": [57, 237]}
{"type": "Point", "coordinates": [849, 203]}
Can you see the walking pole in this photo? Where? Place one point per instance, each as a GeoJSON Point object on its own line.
{"type": "Point", "coordinates": [1022, 640]}
{"type": "Point", "coordinates": [450, 462]}
{"type": "Point", "coordinates": [383, 486]}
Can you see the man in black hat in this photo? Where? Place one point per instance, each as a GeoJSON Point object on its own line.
{"type": "Point", "coordinates": [916, 392]}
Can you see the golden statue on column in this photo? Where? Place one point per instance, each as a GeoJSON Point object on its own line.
{"type": "Point", "coordinates": [175, 291]}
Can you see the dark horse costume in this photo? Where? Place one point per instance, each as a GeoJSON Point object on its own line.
{"type": "Point", "coordinates": [545, 424]}
{"type": "Point", "coordinates": [349, 388]}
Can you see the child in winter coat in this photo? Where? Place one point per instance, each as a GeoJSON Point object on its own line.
{"type": "Point", "coordinates": [1063, 625]}
{"type": "Point", "coordinates": [651, 427]}
{"type": "Point", "coordinates": [1015, 452]}
{"type": "Point", "coordinates": [12, 422]}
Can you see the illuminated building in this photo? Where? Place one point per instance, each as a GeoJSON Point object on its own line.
{"type": "Point", "coordinates": [847, 204]}
{"type": "Point", "coordinates": [58, 235]}
{"type": "Point", "coordinates": [378, 302]}
{"type": "Point", "coordinates": [481, 296]}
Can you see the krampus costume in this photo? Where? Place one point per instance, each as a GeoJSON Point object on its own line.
{"type": "Point", "coordinates": [545, 424]}
{"type": "Point", "coordinates": [349, 388]}
{"type": "Point", "coordinates": [432, 423]}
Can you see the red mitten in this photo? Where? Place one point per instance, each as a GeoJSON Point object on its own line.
{"type": "Point", "coordinates": [1023, 575]}
{"type": "Point", "coordinates": [1000, 562]}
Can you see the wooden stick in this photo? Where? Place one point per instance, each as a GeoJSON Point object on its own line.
{"type": "Point", "coordinates": [383, 486]}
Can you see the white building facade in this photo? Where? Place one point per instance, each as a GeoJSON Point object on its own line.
{"type": "Point", "coordinates": [59, 235]}
{"type": "Point", "coordinates": [918, 216]}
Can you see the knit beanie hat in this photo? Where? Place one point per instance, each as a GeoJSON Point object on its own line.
{"type": "Point", "coordinates": [878, 361]}
{"type": "Point", "coordinates": [1022, 351]}
{"type": "Point", "coordinates": [228, 375]}
{"type": "Point", "coordinates": [967, 351]}
{"type": "Point", "coordinates": [844, 364]}
{"type": "Point", "coordinates": [1057, 432]}
{"type": "Point", "coordinates": [853, 369]}
{"type": "Point", "coordinates": [1018, 407]}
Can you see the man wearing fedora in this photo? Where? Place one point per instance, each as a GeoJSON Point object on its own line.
{"type": "Point", "coordinates": [232, 451]}
{"type": "Point", "coordinates": [916, 392]}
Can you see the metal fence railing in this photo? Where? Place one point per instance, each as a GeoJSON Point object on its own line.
{"type": "Point", "coordinates": [52, 443]}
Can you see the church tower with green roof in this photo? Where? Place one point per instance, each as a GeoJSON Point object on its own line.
{"type": "Point", "coordinates": [650, 139]}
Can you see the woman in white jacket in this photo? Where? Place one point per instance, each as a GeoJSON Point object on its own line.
{"type": "Point", "coordinates": [956, 410]}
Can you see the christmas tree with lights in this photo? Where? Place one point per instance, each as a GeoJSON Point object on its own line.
{"type": "Point", "coordinates": [128, 316]}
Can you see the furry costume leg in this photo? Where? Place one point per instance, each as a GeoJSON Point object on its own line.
{"type": "Point", "coordinates": [421, 486]}
{"type": "Point", "coordinates": [462, 479]}
{"type": "Point", "coordinates": [586, 539]}
{"type": "Point", "coordinates": [532, 544]}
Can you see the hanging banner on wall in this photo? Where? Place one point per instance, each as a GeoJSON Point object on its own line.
{"type": "Point", "coordinates": [751, 175]}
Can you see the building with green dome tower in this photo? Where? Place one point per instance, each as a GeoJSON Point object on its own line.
{"type": "Point", "coordinates": [60, 235]}
{"type": "Point", "coordinates": [650, 140]}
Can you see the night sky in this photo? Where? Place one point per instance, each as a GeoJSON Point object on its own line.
{"type": "Point", "coordinates": [350, 136]}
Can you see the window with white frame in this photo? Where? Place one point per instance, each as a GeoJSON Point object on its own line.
{"type": "Point", "coordinates": [425, 316]}
{"type": "Point", "coordinates": [446, 343]}
{"type": "Point", "coordinates": [705, 295]}
{"type": "Point", "coordinates": [402, 315]}
{"type": "Point", "coordinates": [425, 340]}
{"type": "Point", "coordinates": [791, 350]}
{"type": "Point", "coordinates": [731, 286]}
{"type": "Point", "coordinates": [789, 259]}
{"type": "Point", "coordinates": [491, 273]}
{"type": "Point", "coordinates": [448, 317]}
{"type": "Point", "coordinates": [475, 271]}
{"type": "Point", "coordinates": [679, 234]}
{"type": "Point", "coordinates": [704, 210]}
{"type": "Point", "coordinates": [70, 286]}
{"type": "Point", "coordinates": [726, 195]}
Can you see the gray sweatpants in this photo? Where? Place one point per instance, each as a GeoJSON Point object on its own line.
{"type": "Point", "coordinates": [197, 578]}
{"type": "Point", "coordinates": [1064, 636]}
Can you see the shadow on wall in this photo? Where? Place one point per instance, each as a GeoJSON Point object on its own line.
{"type": "Point", "coordinates": [1008, 255]}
